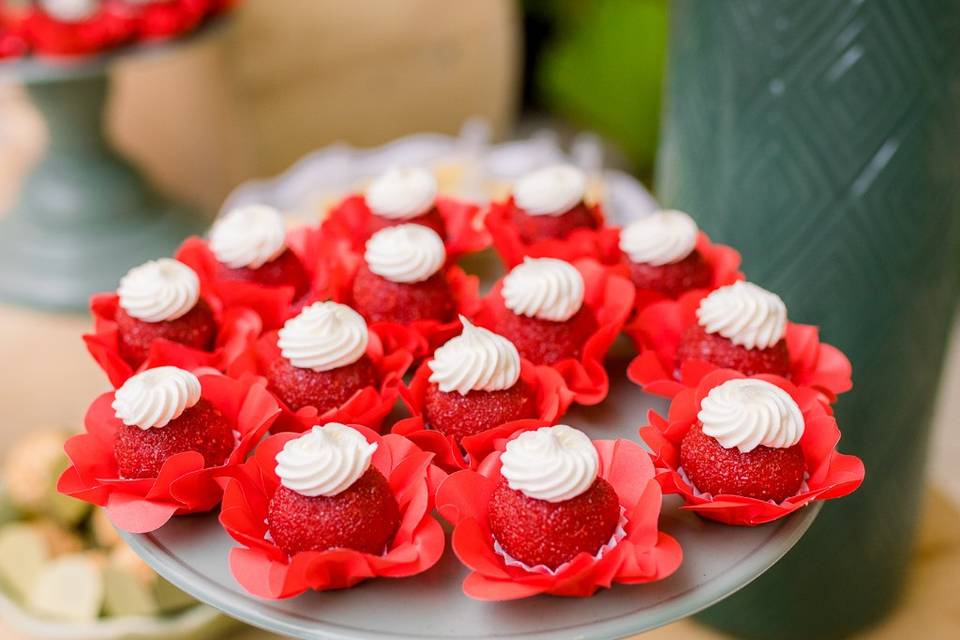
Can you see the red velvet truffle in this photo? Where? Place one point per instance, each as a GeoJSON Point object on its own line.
{"type": "Point", "coordinates": [532, 228]}
{"type": "Point", "coordinates": [721, 352]}
{"type": "Point", "coordinates": [364, 517]}
{"type": "Point", "coordinates": [538, 532]}
{"type": "Point", "coordinates": [379, 299]}
{"type": "Point", "coordinates": [459, 416]}
{"type": "Point", "coordinates": [431, 219]}
{"type": "Point", "coordinates": [324, 390]}
{"type": "Point", "coordinates": [547, 341]}
{"type": "Point", "coordinates": [284, 270]}
{"type": "Point", "coordinates": [197, 328]}
{"type": "Point", "coordinates": [764, 473]}
{"type": "Point", "coordinates": [673, 279]}
{"type": "Point", "coordinates": [202, 428]}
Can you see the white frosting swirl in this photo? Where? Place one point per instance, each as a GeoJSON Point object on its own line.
{"type": "Point", "coordinates": [70, 10]}
{"type": "Point", "coordinates": [746, 413]}
{"type": "Point", "coordinates": [159, 290]}
{"type": "Point", "coordinates": [661, 238]}
{"type": "Point", "coordinates": [476, 360]}
{"type": "Point", "coordinates": [402, 193]}
{"type": "Point", "coordinates": [552, 463]}
{"type": "Point", "coordinates": [152, 398]}
{"type": "Point", "coordinates": [405, 253]}
{"type": "Point", "coordinates": [551, 191]}
{"type": "Point", "coordinates": [544, 288]}
{"type": "Point", "coordinates": [249, 236]}
{"type": "Point", "coordinates": [324, 461]}
{"type": "Point", "coordinates": [745, 314]}
{"type": "Point", "coordinates": [324, 336]}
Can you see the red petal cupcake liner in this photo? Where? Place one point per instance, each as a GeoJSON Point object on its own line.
{"type": "Point", "coordinates": [112, 25]}
{"type": "Point", "coordinates": [420, 337]}
{"type": "Point", "coordinates": [610, 297]}
{"type": "Point", "coordinates": [600, 244]}
{"type": "Point", "coordinates": [553, 399]}
{"type": "Point", "coordinates": [644, 554]}
{"type": "Point", "coordinates": [164, 20]}
{"type": "Point", "coordinates": [658, 329]}
{"type": "Point", "coordinates": [830, 474]}
{"type": "Point", "coordinates": [724, 262]}
{"type": "Point", "coordinates": [367, 407]}
{"type": "Point", "coordinates": [183, 485]}
{"type": "Point", "coordinates": [266, 571]}
{"type": "Point", "coordinates": [237, 329]}
{"type": "Point", "coordinates": [465, 232]}
{"type": "Point", "coordinates": [274, 304]}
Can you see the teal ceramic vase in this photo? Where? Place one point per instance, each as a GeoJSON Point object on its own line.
{"type": "Point", "coordinates": [821, 139]}
{"type": "Point", "coordinates": [84, 215]}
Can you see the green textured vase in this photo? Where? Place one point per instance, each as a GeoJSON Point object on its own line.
{"type": "Point", "coordinates": [84, 215]}
{"type": "Point", "coordinates": [821, 138]}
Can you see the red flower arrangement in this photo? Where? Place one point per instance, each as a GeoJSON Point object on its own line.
{"type": "Point", "coordinates": [237, 328]}
{"type": "Point", "coordinates": [645, 554]}
{"type": "Point", "coordinates": [658, 329]}
{"type": "Point", "coordinates": [724, 263]}
{"type": "Point", "coordinates": [601, 244]}
{"type": "Point", "coordinates": [368, 406]}
{"type": "Point", "coordinates": [552, 401]}
{"type": "Point", "coordinates": [183, 485]}
{"type": "Point", "coordinates": [462, 232]}
{"type": "Point", "coordinates": [830, 474]}
{"type": "Point", "coordinates": [419, 337]}
{"type": "Point", "coordinates": [266, 571]}
{"type": "Point", "coordinates": [609, 297]}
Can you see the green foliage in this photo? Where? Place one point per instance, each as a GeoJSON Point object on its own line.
{"type": "Point", "coordinates": [604, 69]}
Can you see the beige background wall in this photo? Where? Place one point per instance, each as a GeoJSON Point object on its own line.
{"type": "Point", "coordinates": [289, 76]}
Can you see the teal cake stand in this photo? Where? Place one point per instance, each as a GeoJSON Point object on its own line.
{"type": "Point", "coordinates": [84, 215]}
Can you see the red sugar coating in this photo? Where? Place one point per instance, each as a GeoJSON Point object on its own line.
{"type": "Point", "coordinates": [202, 428]}
{"type": "Point", "coordinates": [324, 390]}
{"type": "Point", "coordinates": [764, 473]}
{"type": "Point", "coordinates": [431, 218]}
{"type": "Point", "coordinates": [714, 348]}
{"type": "Point", "coordinates": [533, 228]}
{"type": "Point", "coordinates": [546, 341]}
{"type": "Point", "coordinates": [379, 299]}
{"type": "Point", "coordinates": [675, 278]}
{"type": "Point", "coordinates": [364, 517]}
{"type": "Point", "coordinates": [551, 533]}
{"type": "Point", "coordinates": [455, 415]}
{"type": "Point", "coordinates": [196, 328]}
{"type": "Point", "coordinates": [284, 270]}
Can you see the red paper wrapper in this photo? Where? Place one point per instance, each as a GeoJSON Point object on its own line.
{"type": "Point", "coordinates": [237, 329]}
{"type": "Point", "coordinates": [274, 305]}
{"type": "Point", "coordinates": [658, 329]}
{"type": "Point", "coordinates": [12, 44]}
{"type": "Point", "coordinates": [724, 263]}
{"type": "Point", "coordinates": [112, 25]}
{"type": "Point", "coordinates": [267, 572]}
{"type": "Point", "coordinates": [830, 474]}
{"type": "Point", "coordinates": [166, 19]}
{"type": "Point", "coordinates": [610, 297]}
{"type": "Point", "coordinates": [183, 485]}
{"type": "Point", "coordinates": [464, 231]}
{"type": "Point", "coordinates": [645, 554]}
{"type": "Point", "coordinates": [553, 399]}
{"type": "Point", "coordinates": [600, 244]}
{"type": "Point", "coordinates": [420, 337]}
{"type": "Point", "coordinates": [367, 407]}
